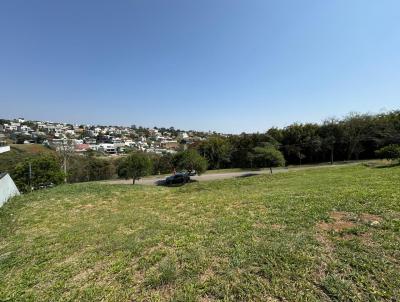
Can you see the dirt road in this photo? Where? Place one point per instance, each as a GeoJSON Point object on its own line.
{"type": "Point", "coordinates": [215, 176]}
{"type": "Point", "coordinates": [204, 177]}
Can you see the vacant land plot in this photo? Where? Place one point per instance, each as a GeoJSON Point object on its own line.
{"type": "Point", "coordinates": [312, 235]}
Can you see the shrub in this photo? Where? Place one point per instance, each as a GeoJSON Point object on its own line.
{"type": "Point", "coordinates": [45, 170]}
{"type": "Point", "coordinates": [390, 152]}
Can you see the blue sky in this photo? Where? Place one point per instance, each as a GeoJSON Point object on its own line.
{"type": "Point", "coordinates": [222, 65]}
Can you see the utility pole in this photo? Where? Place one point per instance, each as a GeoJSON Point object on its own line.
{"type": "Point", "coordinates": [30, 176]}
{"type": "Point", "coordinates": [65, 168]}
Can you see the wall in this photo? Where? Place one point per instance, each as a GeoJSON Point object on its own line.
{"type": "Point", "coordinates": [7, 188]}
{"type": "Point", "coordinates": [4, 149]}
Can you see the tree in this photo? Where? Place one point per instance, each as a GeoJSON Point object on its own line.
{"type": "Point", "coordinates": [65, 149]}
{"type": "Point", "coordinates": [35, 172]}
{"type": "Point", "coordinates": [268, 156]}
{"type": "Point", "coordinates": [355, 127]}
{"type": "Point", "coordinates": [217, 151]}
{"type": "Point", "coordinates": [330, 135]}
{"type": "Point", "coordinates": [190, 160]}
{"type": "Point", "coordinates": [89, 168]}
{"type": "Point", "coordinates": [135, 166]}
{"type": "Point", "coordinates": [390, 152]}
{"type": "Point", "coordinates": [162, 163]}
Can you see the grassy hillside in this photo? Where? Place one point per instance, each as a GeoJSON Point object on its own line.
{"type": "Point", "coordinates": [312, 235]}
{"type": "Point", "coordinates": [8, 160]}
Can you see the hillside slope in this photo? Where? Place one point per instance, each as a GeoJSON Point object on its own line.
{"type": "Point", "coordinates": [18, 153]}
{"type": "Point", "coordinates": [316, 235]}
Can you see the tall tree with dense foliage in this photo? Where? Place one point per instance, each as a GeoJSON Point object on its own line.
{"type": "Point", "coordinates": [268, 157]}
{"type": "Point", "coordinates": [162, 163]}
{"type": "Point", "coordinates": [217, 150]}
{"type": "Point", "coordinates": [190, 160]}
{"type": "Point", "coordinates": [135, 166]}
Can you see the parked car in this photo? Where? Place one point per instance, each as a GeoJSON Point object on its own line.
{"type": "Point", "coordinates": [178, 178]}
{"type": "Point", "coordinates": [192, 173]}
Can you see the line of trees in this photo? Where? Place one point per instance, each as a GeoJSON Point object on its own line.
{"type": "Point", "coordinates": [357, 136]}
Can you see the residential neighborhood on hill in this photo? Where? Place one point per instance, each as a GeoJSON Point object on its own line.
{"type": "Point", "coordinates": [109, 140]}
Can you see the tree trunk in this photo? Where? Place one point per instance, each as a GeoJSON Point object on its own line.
{"type": "Point", "coordinates": [332, 156]}
{"type": "Point", "coordinates": [270, 168]}
{"type": "Point", "coordinates": [133, 180]}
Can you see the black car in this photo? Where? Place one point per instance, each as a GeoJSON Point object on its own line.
{"type": "Point", "coordinates": [178, 178]}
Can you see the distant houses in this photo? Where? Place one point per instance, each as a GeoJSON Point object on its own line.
{"type": "Point", "coordinates": [110, 140]}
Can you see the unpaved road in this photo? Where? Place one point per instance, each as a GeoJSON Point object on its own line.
{"type": "Point", "coordinates": [209, 177]}
{"type": "Point", "coordinates": [204, 177]}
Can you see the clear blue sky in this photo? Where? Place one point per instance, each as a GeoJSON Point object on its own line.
{"type": "Point", "coordinates": [222, 65]}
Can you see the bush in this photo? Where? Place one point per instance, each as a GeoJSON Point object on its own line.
{"type": "Point", "coordinates": [390, 152]}
{"type": "Point", "coordinates": [84, 168]}
{"type": "Point", "coordinates": [45, 170]}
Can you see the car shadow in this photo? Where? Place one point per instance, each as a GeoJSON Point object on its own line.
{"type": "Point", "coordinates": [391, 165]}
{"type": "Point", "coordinates": [247, 175]}
{"type": "Point", "coordinates": [162, 182]}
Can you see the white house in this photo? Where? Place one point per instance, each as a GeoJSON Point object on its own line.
{"type": "Point", "coordinates": [108, 148]}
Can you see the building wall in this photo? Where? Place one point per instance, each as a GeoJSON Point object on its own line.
{"type": "Point", "coordinates": [8, 188]}
{"type": "Point", "coordinates": [4, 149]}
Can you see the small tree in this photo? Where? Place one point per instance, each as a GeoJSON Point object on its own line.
{"type": "Point", "coordinates": [34, 172]}
{"type": "Point", "coordinates": [390, 152]}
{"type": "Point", "coordinates": [135, 166]}
{"type": "Point", "coordinates": [65, 149]}
{"type": "Point", "coordinates": [190, 160]}
{"type": "Point", "coordinates": [269, 157]}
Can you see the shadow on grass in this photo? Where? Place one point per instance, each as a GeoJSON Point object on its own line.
{"type": "Point", "coordinates": [247, 175]}
{"type": "Point", "coordinates": [162, 182]}
{"type": "Point", "coordinates": [391, 165]}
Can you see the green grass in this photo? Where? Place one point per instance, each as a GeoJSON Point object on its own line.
{"type": "Point", "coordinates": [311, 235]}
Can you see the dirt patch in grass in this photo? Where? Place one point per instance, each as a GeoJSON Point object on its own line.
{"type": "Point", "coordinates": [84, 274]}
{"type": "Point", "coordinates": [370, 218]}
{"type": "Point", "coordinates": [340, 221]}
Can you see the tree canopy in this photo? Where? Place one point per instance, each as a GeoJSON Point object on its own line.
{"type": "Point", "coordinates": [39, 171]}
{"type": "Point", "coordinates": [268, 157]}
{"type": "Point", "coordinates": [190, 160]}
{"type": "Point", "coordinates": [135, 166]}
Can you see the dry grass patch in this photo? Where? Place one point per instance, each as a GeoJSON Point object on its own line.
{"type": "Point", "coordinates": [341, 221]}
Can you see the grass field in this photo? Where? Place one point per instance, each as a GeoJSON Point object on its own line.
{"type": "Point", "coordinates": [311, 235]}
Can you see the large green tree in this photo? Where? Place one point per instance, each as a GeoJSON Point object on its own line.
{"type": "Point", "coordinates": [217, 150]}
{"type": "Point", "coordinates": [190, 160]}
{"type": "Point", "coordinates": [135, 166]}
{"type": "Point", "coordinates": [268, 157]}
